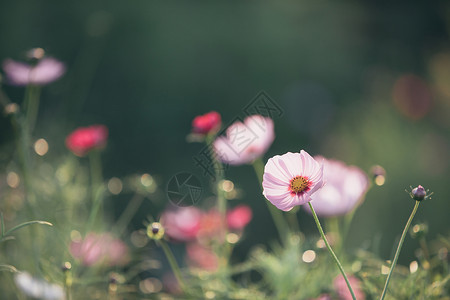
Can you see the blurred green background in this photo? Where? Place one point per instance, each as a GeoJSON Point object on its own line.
{"type": "Point", "coordinates": [361, 81]}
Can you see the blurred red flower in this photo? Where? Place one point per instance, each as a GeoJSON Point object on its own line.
{"type": "Point", "coordinates": [239, 217]}
{"type": "Point", "coordinates": [207, 123]}
{"type": "Point", "coordinates": [84, 139]}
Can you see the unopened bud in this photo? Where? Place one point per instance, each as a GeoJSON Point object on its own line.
{"type": "Point", "coordinates": [155, 231]}
{"type": "Point", "coordinates": [419, 193]}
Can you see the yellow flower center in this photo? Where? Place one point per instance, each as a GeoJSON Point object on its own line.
{"type": "Point", "coordinates": [299, 184]}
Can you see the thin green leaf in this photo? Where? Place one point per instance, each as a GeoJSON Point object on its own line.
{"type": "Point", "coordinates": [2, 224]}
{"type": "Point", "coordinates": [7, 238]}
{"type": "Point", "coordinates": [26, 224]}
{"type": "Point", "coordinates": [8, 268]}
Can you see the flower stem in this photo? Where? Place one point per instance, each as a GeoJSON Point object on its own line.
{"type": "Point", "coordinates": [128, 214]}
{"type": "Point", "coordinates": [96, 187]}
{"type": "Point", "coordinates": [218, 171]}
{"type": "Point", "coordinates": [32, 105]}
{"type": "Point", "coordinates": [277, 216]}
{"type": "Point", "coordinates": [331, 250]}
{"type": "Point", "coordinates": [173, 263]}
{"type": "Point", "coordinates": [399, 248]}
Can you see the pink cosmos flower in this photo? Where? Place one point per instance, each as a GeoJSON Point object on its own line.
{"type": "Point", "coordinates": [207, 123]}
{"type": "Point", "coordinates": [45, 71]}
{"type": "Point", "coordinates": [182, 224]}
{"type": "Point", "coordinates": [239, 217]}
{"type": "Point", "coordinates": [342, 290]}
{"type": "Point", "coordinates": [344, 190]}
{"type": "Point", "coordinates": [84, 139]}
{"type": "Point", "coordinates": [290, 179]}
{"type": "Point", "coordinates": [100, 248]}
{"type": "Point", "coordinates": [244, 142]}
{"type": "Point", "coordinates": [202, 257]}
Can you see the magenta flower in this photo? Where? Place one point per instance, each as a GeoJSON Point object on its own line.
{"type": "Point", "coordinates": [100, 249]}
{"type": "Point", "coordinates": [182, 224]}
{"type": "Point", "coordinates": [239, 217]}
{"type": "Point", "coordinates": [207, 123]}
{"type": "Point", "coordinates": [290, 179]}
{"type": "Point", "coordinates": [245, 142]}
{"type": "Point", "coordinates": [45, 71]}
{"type": "Point", "coordinates": [345, 188]}
{"type": "Point", "coordinates": [84, 139]}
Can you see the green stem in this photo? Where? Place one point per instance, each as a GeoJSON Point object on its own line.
{"type": "Point", "coordinates": [173, 263]}
{"type": "Point", "coordinates": [218, 171]}
{"type": "Point", "coordinates": [96, 187]}
{"type": "Point", "coordinates": [32, 105]}
{"type": "Point", "coordinates": [322, 234]}
{"type": "Point", "coordinates": [225, 251]}
{"type": "Point", "coordinates": [128, 214]}
{"type": "Point", "coordinates": [276, 214]}
{"type": "Point", "coordinates": [399, 248]}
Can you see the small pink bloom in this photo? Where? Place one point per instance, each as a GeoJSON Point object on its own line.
{"type": "Point", "coordinates": [323, 297]}
{"type": "Point", "coordinates": [45, 71]}
{"type": "Point", "coordinates": [211, 225]}
{"type": "Point", "coordinates": [344, 190]}
{"type": "Point", "coordinates": [182, 224]}
{"type": "Point", "coordinates": [202, 257]}
{"type": "Point", "coordinates": [84, 139]}
{"type": "Point", "coordinates": [342, 290]}
{"type": "Point", "coordinates": [100, 249]}
{"type": "Point", "coordinates": [245, 142]}
{"type": "Point", "coordinates": [290, 179]}
{"type": "Point", "coordinates": [207, 123]}
{"type": "Point", "coordinates": [239, 217]}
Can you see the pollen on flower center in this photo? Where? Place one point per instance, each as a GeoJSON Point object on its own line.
{"type": "Point", "coordinates": [299, 184]}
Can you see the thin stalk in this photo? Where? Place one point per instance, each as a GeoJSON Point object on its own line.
{"type": "Point", "coordinates": [218, 171]}
{"type": "Point", "coordinates": [276, 214]}
{"type": "Point", "coordinates": [96, 187]}
{"type": "Point", "coordinates": [173, 263]}
{"type": "Point", "coordinates": [32, 95]}
{"type": "Point", "coordinates": [399, 248]}
{"type": "Point", "coordinates": [128, 214]}
{"type": "Point", "coordinates": [322, 234]}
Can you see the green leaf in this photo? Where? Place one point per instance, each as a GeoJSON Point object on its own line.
{"type": "Point", "coordinates": [26, 224]}
{"type": "Point", "coordinates": [8, 268]}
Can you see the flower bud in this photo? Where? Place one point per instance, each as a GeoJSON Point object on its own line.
{"type": "Point", "coordinates": [207, 123]}
{"type": "Point", "coordinates": [155, 231]}
{"type": "Point", "coordinates": [419, 193]}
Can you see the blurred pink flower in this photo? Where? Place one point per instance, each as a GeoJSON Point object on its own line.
{"type": "Point", "coordinates": [84, 139]}
{"type": "Point", "coordinates": [239, 217]}
{"type": "Point", "coordinates": [290, 179]}
{"type": "Point", "coordinates": [45, 71]}
{"type": "Point", "coordinates": [245, 142]}
{"type": "Point", "coordinates": [323, 297]}
{"type": "Point", "coordinates": [202, 257]}
{"type": "Point", "coordinates": [182, 224]}
{"type": "Point", "coordinates": [100, 249]}
{"type": "Point", "coordinates": [207, 123]}
{"type": "Point", "coordinates": [344, 190]}
{"type": "Point", "coordinates": [211, 225]}
{"type": "Point", "coordinates": [342, 290]}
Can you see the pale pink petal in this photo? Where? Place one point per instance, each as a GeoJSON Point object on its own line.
{"type": "Point", "coordinates": [281, 170]}
{"type": "Point", "coordinates": [17, 73]}
{"type": "Point", "coordinates": [46, 71]}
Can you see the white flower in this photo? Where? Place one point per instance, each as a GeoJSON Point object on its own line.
{"type": "Point", "coordinates": [38, 288]}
